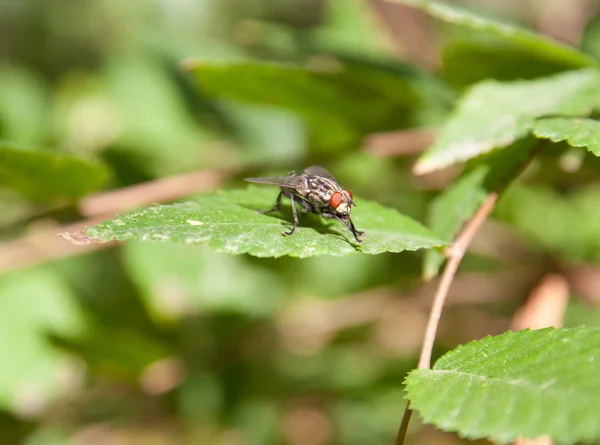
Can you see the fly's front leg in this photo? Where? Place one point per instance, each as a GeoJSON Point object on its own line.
{"type": "Point", "coordinates": [295, 218]}
{"type": "Point", "coordinates": [350, 226]}
{"type": "Point", "coordinates": [275, 207]}
{"type": "Point", "coordinates": [355, 232]}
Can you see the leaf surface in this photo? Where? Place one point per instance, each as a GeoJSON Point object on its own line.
{"type": "Point", "coordinates": [528, 383]}
{"type": "Point", "coordinates": [43, 175]}
{"type": "Point", "coordinates": [578, 132]}
{"type": "Point", "coordinates": [228, 222]}
{"type": "Point", "coordinates": [495, 114]}
{"type": "Point", "coordinates": [341, 103]}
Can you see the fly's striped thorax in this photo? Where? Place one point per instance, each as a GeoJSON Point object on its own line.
{"type": "Point", "coordinates": [322, 188]}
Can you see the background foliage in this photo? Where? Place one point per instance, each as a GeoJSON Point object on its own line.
{"type": "Point", "coordinates": [175, 343]}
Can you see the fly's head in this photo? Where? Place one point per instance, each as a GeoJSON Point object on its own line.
{"type": "Point", "coordinates": [341, 202]}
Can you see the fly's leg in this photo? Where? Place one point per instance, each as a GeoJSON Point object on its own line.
{"type": "Point", "coordinates": [275, 207]}
{"type": "Point", "coordinates": [295, 218]}
{"type": "Point", "coordinates": [350, 226]}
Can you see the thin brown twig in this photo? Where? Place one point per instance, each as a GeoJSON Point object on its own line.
{"type": "Point", "coordinates": [409, 30]}
{"type": "Point", "coordinates": [43, 245]}
{"type": "Point", "coordinates": [455, 253]}
{"type": "Point", "coordinates": [158, 190]}
{"type": "Point", "coordinates": [404, 425]}
{"type": "Point", "coordinates": [400, 143]}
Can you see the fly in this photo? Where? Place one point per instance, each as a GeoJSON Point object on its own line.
{"type": "Point", "coordinates": [317, 191]}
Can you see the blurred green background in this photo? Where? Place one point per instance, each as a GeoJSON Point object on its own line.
{"type": "Point", "coordinates": [166, 344]}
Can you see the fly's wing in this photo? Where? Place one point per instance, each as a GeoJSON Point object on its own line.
{"type": "Point", "coordinates": [315, 170]}
{"type": "Point", "coordinates": [297, 182]}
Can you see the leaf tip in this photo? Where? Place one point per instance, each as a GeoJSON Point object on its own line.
{"type": "Point", "coordinates": [422, 167]}
{"type": "Point", "coordinates": [79, 238]}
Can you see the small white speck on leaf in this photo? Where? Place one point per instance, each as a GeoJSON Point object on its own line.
{"type": "Point", "coordinates": [193, 222]}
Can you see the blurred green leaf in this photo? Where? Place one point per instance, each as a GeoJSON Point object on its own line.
{"type": "Point", "coordinates": [590, 40]}
{"type": "Point", "coordinates": [47, 436]}
{"type": "Point", "coordinates": [567, 225]}
{"type": "Point", "coordinates": [459, 202]}
{"type": "Point", "coordinates": [489, 48]}
{"type": "Point", "coordinates": [494, 114]}
{"type": "Point", "coordinates": [257, 421]}
{"type": "Point", "coordinates": [229, 223]}
{"type": "Point", "coordinates": [341, 103]}
{"type": "Point", "coordinates": [23, 106]}
{"type": "Point", "coordinates": [544, 382]}
{"type": "Point", "coordinates": [577, 132]}
{"type": "Point", "coordinates": [352, 28]}
{"type": "Point", "coordinates": [269, 137]}
{"type": "Point", "coordinates": [44, 175]}
{"type": "Point", "coordinates": [450, 210]}
{"type": "Point", "coordinates": [369, 420]}
{"type": "Point", "coordinates": [33, 304]}
{"type": "Point", "coordinates": [468, 62]}
{"type": "Point", "coordinates": [579, 313]}
{"type": "Point", "coordinates": [179, 280]}
{"type": "Point", "coordinates": [200, 398]}
{"type": "Point", "coordinates": [154, 120]}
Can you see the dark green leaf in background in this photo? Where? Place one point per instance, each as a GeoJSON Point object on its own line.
{"type": "Point", "coordinates": [341, 102]}
{"type": "Point", "coordinates": [564, 224]}
{"type": "Point", "coordinates": [590, 40]}
{"type": "Point", "coordinates": [495, 114]}
{"type": "Point", "coordinates": [23, 106]}
{"type": "Point", "coordinates": [229, 223]}
{"type": "Point", "coordinates": [44, 175]}
{"type": "Point", "coordinates": [470, 61]}
{"type": "Point", "coordinates": [528, 383]}
{"type": "Point", "coordinates": [487, 48]}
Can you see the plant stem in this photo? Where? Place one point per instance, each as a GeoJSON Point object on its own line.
{"type": "Point", "coordinates": [455, 253]}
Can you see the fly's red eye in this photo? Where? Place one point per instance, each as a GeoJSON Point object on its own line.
{"type": "Point", "coordinates": [336, 199]}
{"type": "Point", "coordinates": [350, 194]}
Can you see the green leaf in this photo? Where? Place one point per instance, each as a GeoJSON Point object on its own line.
{"type": "Point", "coordinates": [142, 86]}
{"type": "Point", "coordinates": [468, 62]}
{"type": "Point", "coordinates": [528, 383]}
{"type": "Point", "coordinates": [350, 29]}
{"type": "Point", "coordinates": [450, 210]}
{"type": "Point", "coordinates": [43, 175]}
{"type": "Point", "coordinates": [496, 114]}
{"type": "Point", "coordinates": [488, 48]}
{"type": "Point", "coordinates": [590, 40]}
{"type": "Point", "coordinates": [564, 224]}
{"type": "Point", "coordinates": [175, 281]}
{"type": "Point", "coordinates": [229, 223]}
{"type": "Point", "coordinates": [459, 202]}
{"type": "Point", "coordinates": [579, 313]}
{"type": "Point", "coordinates": [33, 304]}
{"type": "Point", "coordinates": [342, 103]}
{"type": "Point", "coordinates": [577, 132]}
{"type": "Point", "coordinates": [24, 106]}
